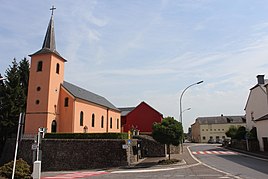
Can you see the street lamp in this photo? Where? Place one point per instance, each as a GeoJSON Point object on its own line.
{"type": "Point", "coordinates": [186, 110]}
{"type": "Point", "coordinates": [197, 83]}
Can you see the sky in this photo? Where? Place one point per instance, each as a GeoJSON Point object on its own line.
{"type": "Point", "coordinates": [130, 51]}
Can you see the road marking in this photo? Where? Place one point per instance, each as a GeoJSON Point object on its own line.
{"type": "Point", "coordinates": [213, 168]}
{"type": "Point", "coordinates": [214, 152]}
{"type": "Point", "coordinates": [74, 175]}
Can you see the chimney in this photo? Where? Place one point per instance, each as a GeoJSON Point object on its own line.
{"type": "Point", "coordinates": [260, 79]}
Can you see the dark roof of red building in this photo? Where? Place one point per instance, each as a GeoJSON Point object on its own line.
{"type": "Point", "coordinates": [125, 111]}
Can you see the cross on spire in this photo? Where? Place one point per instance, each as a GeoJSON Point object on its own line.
{"type": "Point", "coordinates": [52, 9]}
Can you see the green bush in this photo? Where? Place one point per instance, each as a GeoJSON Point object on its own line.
{"type": "Point", "coordinates": [22, 170]}
{"type": "Point", "coordinates": [86, 136]}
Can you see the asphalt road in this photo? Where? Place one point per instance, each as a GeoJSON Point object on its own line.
{"type": "Point", "coordinates": [240, 165]}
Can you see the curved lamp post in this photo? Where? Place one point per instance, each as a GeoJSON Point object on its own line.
{"type": "Point", "coordinates": [197, 83]}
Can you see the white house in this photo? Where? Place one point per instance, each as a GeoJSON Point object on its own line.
{"type": "Point", "coordinates": [257, 111]}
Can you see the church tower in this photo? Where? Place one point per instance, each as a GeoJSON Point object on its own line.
{"type": "Point", "coordinates": [46, 77]}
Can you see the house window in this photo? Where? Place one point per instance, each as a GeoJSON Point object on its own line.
{"type": "Point", "coordinates": [58, 68]}
{"type": "Point", "coordinates": [117, 123]}
{"type": "Point", "coordinates": [204, 137]}
{"type": "Point", "coordinates": [39, 66]}
{"type": "Point", "coordinates": [81, 118]}
{"type": "Point", "coordinates": [111, 123]}
{"type": "Point", "coordinates": [66, 102]}
{"type": "Point", "coordinates": [38, 88]}
{"type": "Point", "coordinates": [202, 129]}
{"type": "Point", "coordinates": [206, 129]}
{"type": "Point", "coordinates": [102, 121]}
{"type": "Point", "coordinates": [37, 102]}
{"type": "Point", "coordinates": [93, 120]}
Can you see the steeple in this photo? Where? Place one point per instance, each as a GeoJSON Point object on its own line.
{"type": "Point", "coordinates": [49, 45]}
{"type": "Point", "coordinates": [49, 41]}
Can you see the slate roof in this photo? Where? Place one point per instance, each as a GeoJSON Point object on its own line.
{"type": "Point", "coordinates": [221, 120]}
{"type": "Point", "coordinates": [125, 111]}
{"type": "Point", "coordinates": [83, 94]}
{"type": "Point", "coordinates": [49, 45]}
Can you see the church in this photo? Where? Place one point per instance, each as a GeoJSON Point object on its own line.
{"type": "Point", "coordinates": [61, 106]}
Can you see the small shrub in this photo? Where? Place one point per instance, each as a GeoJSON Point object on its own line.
{"type": "Point", "coordinates": [22, 170]}
{"type": "Point", "coordinates": [168, 162]}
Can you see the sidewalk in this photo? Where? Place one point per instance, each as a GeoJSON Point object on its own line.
{"type": "Point", "coordinates": [185, 157]}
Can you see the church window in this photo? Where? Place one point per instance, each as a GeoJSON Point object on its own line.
{"type": "Point", "coordinates": [38, 88]}
{"type": "Point", "coordinates": [117, 124]}
{"type": "Point", "coordinates": [66, 102]}
{"type": "Point", "coordinates": [81, 118]}
{"type": "Point", "coordinates": [58, 68]}
{"type": "Point", "coordinates": [54, 126]}
{"type": "Point", "coordinates": [39, 66]}
{"type": "Point", "coordinates": [37, 102]}
{"type": "Point", "coordinates": [111, 123]}
{"type": "Point", "coordinates": [93, 120]}
{"type": "Point", "coordinates": [102, 121]}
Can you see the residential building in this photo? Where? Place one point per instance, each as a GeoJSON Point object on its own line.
{"type": "Point", "coordinates": [257, 111]}
{"type": "Point", "coordinates": [60, 106]}
{"type": "Point", "coordinates": [140, 118]}
{"type": "Point", "coordinates": [213, 129]}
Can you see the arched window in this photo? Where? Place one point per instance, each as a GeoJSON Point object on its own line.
{"type": "Point", "coordinates": [81, 118]}
{"type": "Point", "coordinates": [117, 123]}
{"type": "Point", "coordinates": [66, 102]}
{"type": "Point", "coordinates": [111, 123]}
{"type": "Point", "coordinates": [39, 66]}
{"type": "Point", "coordinates": [54, 126]}
{"type": "Point", "coordinates": [58, 68]}
{"type": "Point", "coordinates": [93, 120]}
{"type": "Point", "coordinates": [102, 121]}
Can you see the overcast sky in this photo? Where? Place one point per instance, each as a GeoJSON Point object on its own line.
{"type": "Point", "coordinates": [131, 51]}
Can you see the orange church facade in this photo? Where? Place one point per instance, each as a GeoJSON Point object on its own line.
{"type": "Point", "coordinates": [60, 106]}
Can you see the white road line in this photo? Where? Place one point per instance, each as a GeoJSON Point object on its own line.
{"type": "Point", "coordinates": [226, 173]}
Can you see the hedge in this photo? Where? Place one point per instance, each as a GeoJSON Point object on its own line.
{"type": "Point", "coordinates": [86, 136]}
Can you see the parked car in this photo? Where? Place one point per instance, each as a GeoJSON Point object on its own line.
{"type": "Point", "coordinates": [211, 141]}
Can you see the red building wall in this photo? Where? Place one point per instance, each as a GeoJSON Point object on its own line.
{"type": "Point", "coordinates": [142, 117]}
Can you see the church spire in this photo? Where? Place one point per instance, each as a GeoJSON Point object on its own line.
{"type": "Point", "coordinates": [49, 45]}
{"type": "Point", "coordinates": [49, 41]}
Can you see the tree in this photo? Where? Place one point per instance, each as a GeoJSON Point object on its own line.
{"type": "Point", "coordinates": [236, 133]}
{"type": "Point", "coordinates": [231, 132]}
{"type": "Point", "coordinates": [240, 133]}
{"type": "Point", "coordinates": [168, 132]}
{"type": "Point", "coordinates": [13, 94]}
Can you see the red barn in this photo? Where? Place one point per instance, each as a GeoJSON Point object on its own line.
{"type": "Point", "coordinates": [141, 118]}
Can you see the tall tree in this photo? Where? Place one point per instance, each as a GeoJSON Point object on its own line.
{"type": "Point", "coordinates": [169, 132]}
{"type": "Point", "coordinates": [13, 94]}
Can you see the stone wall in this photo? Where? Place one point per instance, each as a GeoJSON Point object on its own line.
{"type": "Point", "coordinates": [151, 148]}
{"type": "Point", "coordinates": [74, 154]}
